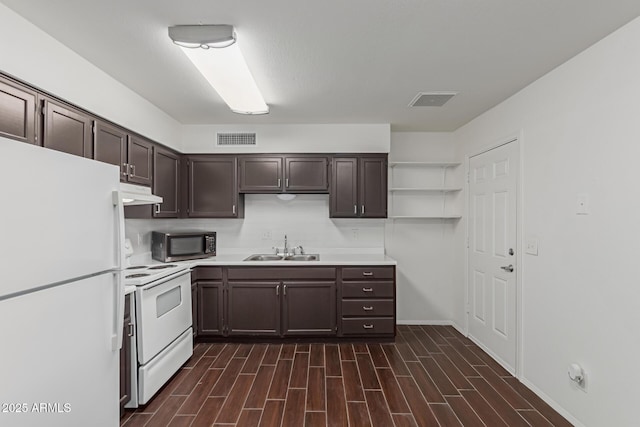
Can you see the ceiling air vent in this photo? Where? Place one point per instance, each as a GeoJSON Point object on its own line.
{"type": "Point", "coordinates": [236, 138]}
{"type": "Point", "coordinates": [432, 99]}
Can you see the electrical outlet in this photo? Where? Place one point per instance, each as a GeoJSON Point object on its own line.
{"type": "Point", "coordinates": [266, 235]}
{"type": "Point", "coordinates": [582, 204]}
{"type": "Point", "coordinates": [139, 239]}
{"type": "Point", "coordinates": [354, 233]}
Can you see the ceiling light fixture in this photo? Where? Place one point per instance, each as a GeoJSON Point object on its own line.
{"type": "Point", "coordinates": [215, 53]}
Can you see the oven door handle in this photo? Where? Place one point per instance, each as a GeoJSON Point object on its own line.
{"type": "Point", "coordinates": [164, 280]}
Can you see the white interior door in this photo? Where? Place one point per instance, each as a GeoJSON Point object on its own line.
{"type": "Point", "coordinates": [493, 182]}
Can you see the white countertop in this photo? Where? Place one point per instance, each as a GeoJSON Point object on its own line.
{"type": "Point", "coordinates": [326, 259]}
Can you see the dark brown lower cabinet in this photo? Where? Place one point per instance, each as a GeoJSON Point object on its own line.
{"type": "Point", "coordinates": [254, 308]}
{"type": "Point", "coordinates": [309, 308]}
{"type": "Point", "coordinates": [295, 301]}
{"type": "Point", "coordinates": [125, 357]}
{"type": "Point", "coordinates": [210, 308]}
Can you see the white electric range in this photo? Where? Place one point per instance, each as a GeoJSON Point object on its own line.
{"type": "Point", "coordinates": [163, 338]}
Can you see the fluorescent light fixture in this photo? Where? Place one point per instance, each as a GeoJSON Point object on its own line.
{"type": "Point", "coordinates": [215, 53]}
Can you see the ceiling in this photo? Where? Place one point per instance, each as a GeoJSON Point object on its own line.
{"type": "Point", "coordinates": [336, 61]}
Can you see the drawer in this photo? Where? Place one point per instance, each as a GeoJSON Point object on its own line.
{"type": "Point", "coordinates": [206, 273]}
{"type": "Point", "coordinates": [367, 307]}
{"type": "Point", "coordinates": [368, 326]}
{"type": "Point", "coordinates": [279, 273]}
{"type": "Point", "coordinates": [368, 273]}
{"type": "Point", "coordinates": [367, 290]}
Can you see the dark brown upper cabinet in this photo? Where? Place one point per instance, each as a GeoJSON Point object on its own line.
{"type": "Point", "coordinates": [17, 112]}
{"type": "Point", "coordinates": [110, 146]}
{"type": "Point", "coordinates": [213, 187]}
{"type": "Point", "coordinates": [260, 174]}
{"type": "Point", "coordinates": [166, 182]}
{"type": "Point", "coordinates": [359, 187]}
{"type": "Point", "coordinates": [139, 160]}
{"type": "Point", "coordinates": [67, 129]}
{"type": "Point", "coordinates": [282, 174]}
{"type": "Point", "coordinates": [306, 174]}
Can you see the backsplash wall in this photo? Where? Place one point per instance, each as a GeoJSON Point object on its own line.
{"type": "Point", "coordinates": [305, 220]}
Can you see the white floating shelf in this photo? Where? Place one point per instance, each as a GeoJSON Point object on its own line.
{"type": "Point", "coordinates": [425, 164]}
{"type": "Point", "coordinates": [426, 189]}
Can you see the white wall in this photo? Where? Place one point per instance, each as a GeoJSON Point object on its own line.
{"type": "Point", "coordinates": [423, 247]}
{"type": "Point", "coordinates": [267, 219]}
{"type": "Point", "coordinates": [28, 53]}
{"type": "Point", "coordinates": [581, 296]}
{"type": "Point", "coordinates": [324, 138]}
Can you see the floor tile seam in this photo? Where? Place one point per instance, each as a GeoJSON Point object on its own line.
{"type": "Point", "coordinates": [264, 353]}
{"type": "Point", "coordinates": [502, 397]}
{"type": "Point", "coordinates": [244, 400]}
{"type": "Point", "coordinates": [406, 401]}
{"type": "Point", "coordinates": [494, 409]}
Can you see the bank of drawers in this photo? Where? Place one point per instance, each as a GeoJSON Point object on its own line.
{"type": "Point", "coordinates": [368, 301]}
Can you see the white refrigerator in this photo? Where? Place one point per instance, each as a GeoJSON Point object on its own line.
{"type": "Point", "coordinates": [61, 290]}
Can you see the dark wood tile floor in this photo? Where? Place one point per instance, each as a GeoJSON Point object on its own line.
{"type": "Point", "coordinates": [431, 376]}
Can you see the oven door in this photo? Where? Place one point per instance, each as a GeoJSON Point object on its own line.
{"type": "Point", "coordinates": [163, 313]}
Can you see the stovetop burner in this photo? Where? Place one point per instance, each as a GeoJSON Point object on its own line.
{"type": "Point", "coordinates": [160, 267]}
{"type": "Point", "coordinates": [133, 276]}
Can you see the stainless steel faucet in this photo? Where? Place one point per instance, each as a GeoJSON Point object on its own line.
{"type": "Point", "coordinates": [286, 247]}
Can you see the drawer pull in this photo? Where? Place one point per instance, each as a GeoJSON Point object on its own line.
{"type": "Point", "coordinates": [367, 273]}
{"type": "Point", "coordinates": [365, 308]}
{"type": "Point", "coordinates": [367, 289]}
{"type": "Point", "coordinates": [367, 326]}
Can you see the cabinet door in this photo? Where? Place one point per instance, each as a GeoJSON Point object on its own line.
{"type": "Point", "coordinates": [110, 145]}
{"type": "Point", "coordinates": [17, 112]}
{"type": "Point", "coordinates": [260, 175]}
{"type": "Point", "coordinates": [373, 187]}
{"type": "Point", "coordinates": [67, 130]}
{"type": "Point", "coordinates": [166, 183]}
{"type": "Point", "coordinates": [309, 308]}
{"type": "Point", "coordinates": [210, 308]}
{"type": "Point", "coordinates": [213, 191]}
{"type": "Point", "coordinates": [254, 308]}
{"type": "Point", "coordinates": [343, 198]}
{"type": "Point", "coordinates": [125, 358]}
{"type": "Point", "coordinates": [194, 308]}
{"type": "Point", "coordinates": [306, 174]}
{"type": "Point", "coordinates": [139, 157]}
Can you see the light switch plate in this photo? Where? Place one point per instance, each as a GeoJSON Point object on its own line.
{"type": "Point", "coordinates": [531, 247]}
{"type": "Point", "coordinates": [582, 204]}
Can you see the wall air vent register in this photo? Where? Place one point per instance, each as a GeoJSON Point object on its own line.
{"type": "Point", "coordinates": [236, 138]}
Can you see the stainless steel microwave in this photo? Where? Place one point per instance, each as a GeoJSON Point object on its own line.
{"type": "Point", "coordinates": [180, 246]}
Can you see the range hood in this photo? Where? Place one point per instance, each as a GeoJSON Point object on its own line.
{"type": "Point", "coordinates": [133, 195]}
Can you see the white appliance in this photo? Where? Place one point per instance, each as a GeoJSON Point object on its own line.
{"type": "Point", "coordinates": [61, 292]}
{"type": "Point", "coordinates": [162, 316]}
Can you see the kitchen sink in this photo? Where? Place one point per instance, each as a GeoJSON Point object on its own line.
{"type": "Point", "coordinates": [264, 257]}
{"type": "Point", "coordinates": [272, 257]}
{"type": "Point", "coordinates": [307, 257]}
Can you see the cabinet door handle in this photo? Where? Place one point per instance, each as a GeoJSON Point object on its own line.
{"type": "Point", "coordinates": [365, 308]}
{"type": "Point", "coordinates": [362, 210]}
{"type": "Point", "coordinates": [157, 205]}
{"type": "Point", "coordinates": [125, 172]}
{"type": "Point", "coordinates": [367, 289]}
{"type": "Point", "coordinates": [279, 182]}
{"type": "Point", "coordinates": [133, 170]}
{"type": "Point", "coordinates": [367, 326]}
{"type": "Point", "coordinates": [367, 273]}
{"type": "Point", "coordinates": [284, 290]}
{"type": "Point", "coordinates": [130, 330]}
{"type": "Point", "coordinates": [355, 209]}
{"type": "Point", "coordinates": [233, 209]}
{"type": "Point", "coordinates": [278, 290]}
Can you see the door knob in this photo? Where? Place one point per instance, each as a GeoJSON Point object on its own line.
{"type": "Point", "coordinates": [508, 268]}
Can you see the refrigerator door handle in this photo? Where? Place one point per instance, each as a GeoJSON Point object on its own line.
{"type": "Point", "coordinates": [118, 321]}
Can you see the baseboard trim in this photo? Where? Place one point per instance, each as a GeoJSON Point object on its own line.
{"type": "Point", "coordinates": [549, 401]}
{"type": "Point", "coordinates": [425, 322]}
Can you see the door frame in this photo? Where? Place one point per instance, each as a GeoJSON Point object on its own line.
{"type": "Point", "coordinates": [516, 138]}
